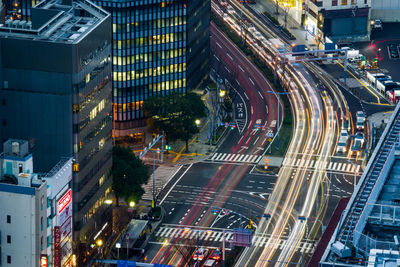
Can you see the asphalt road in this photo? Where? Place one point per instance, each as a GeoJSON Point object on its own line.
{"type": "Point", "coordinates": [225, 181]}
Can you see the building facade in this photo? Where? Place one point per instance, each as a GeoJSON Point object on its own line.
{"type": "Point", "coordinates": [338, 20]}
{"type": "Point", "coordinates": [385, 10]}
{"type": "Point", "coordinates": [55, 91]}
{"type": "Point", "coordinates": [158, 47]}
{"type": "Point", "coordinates": [23, 219]}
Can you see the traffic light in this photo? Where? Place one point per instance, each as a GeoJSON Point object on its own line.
{"type": "Point", "coordinates": [266, 163]}
{"type": "Point", "coordinates": [362, 62]}
{"type": "Point", "coordinates": [167, 147]}
{"type": "Point", "coordinates": [250, 226]}
{"type": "Point", "coordinates": [214, 211]}
{"type": "Point", "coordinates": [375, 63]}
{"type": "Point", "coordinates": [233, 127]}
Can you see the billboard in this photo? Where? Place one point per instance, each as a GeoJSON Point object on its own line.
{"type": "Point", "coordinates": [57, 246]}
{"type": "Point", "coordinates": [64, 222]}
{"type": "Point", "coordinates": [64, 201]}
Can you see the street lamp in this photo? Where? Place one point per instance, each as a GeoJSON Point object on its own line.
{"type": "Point", "coordinates": [118, 246]}
{"type": "Point", "coordinates": [132, 204]}
{"type": "Point", "coordinates": [286, 12]}
{"type": "Point", "coordinates": [355, 173]}
{"type": "Point", "coordinates": [197, 121]}
{"type": "Point", "coordinates": [108, 201]}
{"type": "Point", "coordinates": [221, 93]}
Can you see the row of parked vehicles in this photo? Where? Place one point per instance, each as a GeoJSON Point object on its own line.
{"type": "Point", "coordinates": [385, 85]}
{"type": "Point", "coordinates": [357, 140]}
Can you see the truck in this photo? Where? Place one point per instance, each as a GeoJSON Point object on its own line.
{"type": "Point", "coordinates": [277, 45]}
{"type": "Point", "coordinates": [371, 77]}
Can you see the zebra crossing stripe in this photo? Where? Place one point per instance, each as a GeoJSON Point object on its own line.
{"type": "Point", "coordinates": [344, 167]}
{"type": "Point", "coordinates": [358, 168]}
{"type": "Point", "coordinates": [330, 165]}
{"type": "Point", "coordinates": [192, 234]}
{"type": "Point", "coordinates": [245, 158]}
{"type": "Point", "coordinates": [309, 248]}
{"type": "Point", "coordinates": [167, 232]}
{"type": "Point", "coordinates": [213, 235]}
{"type": "Point", "coordinates": [228, 236]}
{"type": "Point", "coordinates": [202, 234]}
{"type": "Point", "coordinates": [219, 156]}
{"type": "Point", "coordinates": [259, 158]}
{"type": "Point", "coordinates": [214, 156]}
{"type": "Point", "coordinates": [236, 157]}
{"type": "Point", "coordinates": [348, 167]}
{"type": "Point", "coordinates": [307, 163]}
{"type": "Point", "coordinates": [230, 157]}
{"type": "Point", "coordinates": [334, 166]}
{"type": "Point", "coordinates": [251, 158]}
{"type": "Point", "coordinates": [208, 236]}
{"type": "Point", "coordinates": [217, 237]}
{"type": "Point", "coordinates": [262, 241]}
{"type": "Point", "coordinates": [160, 230]}
{"type": "Point", "coordinates": [225, 156]}
{"type": "Point", "coordinates": [284, 161]}
{"type": "Point", "coordinates": [278, 244]}
{"type": "Point", "coordinates": [175, 232]}
{"type": "Point", "coordinates": [339, 166]}
{"type": "Point", "coordinates": [241, 156]}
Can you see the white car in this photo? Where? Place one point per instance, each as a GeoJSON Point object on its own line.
{"type": "Point", "coordinates": [344, 134]}
{"type": "Point", "coordinates": [360, 116]}
{"type": "Point", "coordinates": [200, 254]}
{"type": "Point", "coordinates": [252, 29]}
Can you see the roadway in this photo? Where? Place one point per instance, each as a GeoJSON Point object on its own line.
{"type": "Point", "coordinates": [298, 189]}
{"type": "Point", "coordinates": [224, 182]}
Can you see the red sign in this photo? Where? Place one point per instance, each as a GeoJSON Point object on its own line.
{"type": "Point", "coordinates": [57, 246]}
{"type": "Point", "coordinates": [43, 260]}
{"type": "Point", "coordinates": [64, 201]}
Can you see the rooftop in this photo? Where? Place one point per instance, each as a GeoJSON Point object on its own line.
{"type": "Point", "coordinates": [63, 21]}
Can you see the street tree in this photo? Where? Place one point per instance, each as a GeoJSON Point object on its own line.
{"type": "Point", "coordinates": [175, 114]}
{"type": "Point", "coordinates": [129, 174]}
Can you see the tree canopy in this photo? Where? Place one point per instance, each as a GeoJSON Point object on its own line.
{"type": "Point", "coordinates": [175, 114]}
{"type": "Point", "coordinates": [129, 173]}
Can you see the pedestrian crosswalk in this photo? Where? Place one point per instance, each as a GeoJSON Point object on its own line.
{"type": "Point", "coordinates": [316, 164]}
{"type": "Point", "coordinates": [228, 157]}
{"type": "Point", "coordinates": [216, 235]}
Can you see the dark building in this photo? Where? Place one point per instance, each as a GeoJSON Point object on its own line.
{"type": "Point", "coordinates": [55, 91]}
{"type": "Point", "coordinates": [158, 47]}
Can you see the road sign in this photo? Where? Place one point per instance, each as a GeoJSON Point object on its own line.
{"type": "Point", "coordinates": [226, 124]}
{"type": "Point", "coordinates": [270, 134]}
{"type": "Point", "coordinates": [242, 237]}
{"type": "Point", "coordinates": [121, 263]}
{"type": "Point", "coordinates": [269, 139]}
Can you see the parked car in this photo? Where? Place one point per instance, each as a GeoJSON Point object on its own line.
{"type": "Point", "coordinates": [393, 50]}
{"type": "Point", "coordinates": [257, 35]}
{"type": "Point", "coordinates": [377, 24]}
{"type": "Point", "coordinates": [200, 254]}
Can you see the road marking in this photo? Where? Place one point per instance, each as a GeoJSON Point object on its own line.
{"type": "Point", "coordinates": [246, 95]}
{"type": "Point", "coordinates": [229, 56]}
{"type": "Point", "coordinates": [241, 68]}
{"type": "Point", "coordinates": [262, 98]}
{"type": "Point", "coordinates": [218, 45]}
{"type": "Point", "coordinates": [252, 81]}
{"type": "Point", "coordinates": [169, 191]}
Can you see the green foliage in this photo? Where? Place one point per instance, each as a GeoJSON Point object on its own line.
{"type": "Point", "coordinates": [175, 114]}
{"type": "Point", "coordinates": [129, 173]}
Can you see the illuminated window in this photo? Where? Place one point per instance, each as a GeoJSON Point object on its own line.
{"type": "Point", "coordinates": [101, 180]}
{"type": "Point", "coordinates": [344, 2]}
{"type": "Point", "coordinates": [87, 79]}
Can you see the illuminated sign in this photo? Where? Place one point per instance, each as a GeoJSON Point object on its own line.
{"type": "Point", "coordinates": [57, 247]}
{"type": "Point", "coordinates": [64, 201]}
{"type": "Point", "coordinates": [43, 260]}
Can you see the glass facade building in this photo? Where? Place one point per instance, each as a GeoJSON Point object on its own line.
{"type": "Point", "coordinates": [154, 46]}
{"type": "Point", "coordinates": [55, 91]}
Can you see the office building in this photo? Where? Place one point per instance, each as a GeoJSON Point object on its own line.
{"type": "Point", "coordinates": [338, 20]}
{"type": "Point", "coordinates": [55, 92]}
{"type": "Point", "coordinates": [23, 219]}
{"type": "Point", "coordinates": [158, 47]}
{"type": "Point", "coordinates": [46, 198]}
{"type": "Point", "coordinates": [385, 10]}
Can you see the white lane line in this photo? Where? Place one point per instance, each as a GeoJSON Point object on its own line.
{"type": "Point", "coordinates": [266, 107]}
{"type": "Point", "coordinates": [227, 70]}
{"type": "Point", "coordinates": [252, 81]}
{"type": "Point", "coordinates": [229, 56]}
{"type": "Point", "coordinates": [246, 95]}
{"type": "Point", "coordinates": [256, 140]}
{"type": "Point", "coordinates": [217, 58]}
{"type": "Point", "coordinates": [218, 45]}
{"type": "Point", "coordinates": [251, 110]}
{"type": "Point", "coordinates": [262, 98]}
{"type": "Point", "coordinates": [240, 67]}
{"type": "Point", "coordinates": [172, 187]}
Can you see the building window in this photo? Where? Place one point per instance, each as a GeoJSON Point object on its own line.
{"type": "Point", "coordinates": [8, 218]}
{"type": "Point", "coordinates": [8, 259]}
{"type": "Point", "coordinates": [344, 2]}
{"type": "Point", "coordinates": [4, 101]}
{"type": "Point", "coordinates": [8, 239]}
{"type": "Point", "coordinates": [4, 122]}
{"type": "Point", "coordinates": [20, 168]}
{"type": "Point", "coordinates": [41, 223]}
{"type": "Point", "coordinates": [334, 2]}
{"type": "Point", "coordinates": [41, 243]}
{"type": "Point", "coordinates": [41, 203]}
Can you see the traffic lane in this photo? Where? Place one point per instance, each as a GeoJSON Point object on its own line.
{"type": "Point", "coordinates": [246, 68]}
